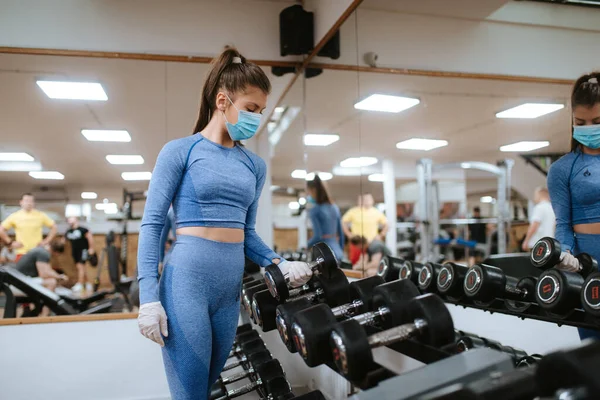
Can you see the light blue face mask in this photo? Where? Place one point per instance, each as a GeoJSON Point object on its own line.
{"type": "Point", "coordinates": [246, 125]}
{"type": "Point", "coordinates": [311, 199]}
{"type": "Point", "coordinates": [587, 135]}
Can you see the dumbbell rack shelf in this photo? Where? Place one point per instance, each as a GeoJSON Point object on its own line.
{"type": "Point", "coordinates": [577, 318]}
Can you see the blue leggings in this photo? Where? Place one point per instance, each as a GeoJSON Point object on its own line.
{"type": "Point", "coordinates": [200, 289]}
{"type": "Point", "coordinates": [588, 244]}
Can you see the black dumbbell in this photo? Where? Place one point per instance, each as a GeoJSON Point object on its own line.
{"type": "Point", "coordinates": [314, 395]}
{"type": "Point", "coordinates": [528, 361]}
{"type": "Point", "coordinates": [254, 357]}
{"type": "Point", "coordinates": [389, 268]}
{"type": "Point", "coordinates": [248, 347]}
{"type": "Point", "coordinates": [547, 253]}
{"type": "Point", "coordinates": [333, 291]}
{"type": "Point", "coordinates": [590, 294]}
{"type": "Point", "coordinates": [361, 294]}
{"type": "Point", "coordinates": [559, 291]}
{"type": "Point", "coordinates": [272, 388]}
{"type": "Point", "coordinates": [312, 327]}
{"type": "Point", "coordinates": [466, 343]}
{"type": "Point", "coordinates": [248, 279]}
{"type": "Point", "coordinates": [450, 280]}
{"type": "Point", "coordinates": [427, 277]}
{"type": "Point", "coordinates": [241, 339]}
{"type": "Point", "coordinates": [485, 283]}
{"type": "Point", "coordinates": [265, 370]}
{"type": "Point", "coordinates": [431, 324]}
{"type": "Point", "coordinates": [324, 262]}
{"type": "Point", "coordinates": [248, 294]}
{"type": "Point", "coordinates": [410, 270]}
{"type": "Point", "coordinates": [243, 329]}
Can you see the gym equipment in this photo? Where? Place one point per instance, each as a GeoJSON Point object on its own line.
{"type": "Point", "coordinates": [273, 388]}
{"type": "Point", "coordinates": [485, 283]}
{"type": "Point", "coordinates": [466, 343]}
{"type": "Point", "coordinates": [264, 370]}
{"type": "Point", "coordinates": [547, 253]}
{"type": "Point", "coordinates": [244, 337]}
{"type": "Point", "coordinates": [428, 277]}
{"type": "Point", "coordinates": [432, 325]}
{"type": "Point", "coordinates": [410, 270]}
{"type": "Point", "coordinates": [389, 268]}
{"type": "Point", "coordinates": [245, 348]}
{"type": "Point", "coordinates": [590, 294]}
{"type": "Point", "coordinates": [248, 295]}
{"type": "Point", "coordinates": [333, 291]}
{"type": "Point", "coordinates": [243, 329]}
{"type": "Point", "coordinates": [254, 357]}
{"type": "Point", "coordinates": [248, 279]}
{"type": "Point", "coordinates": [559, 292]}
{"type": "Point", "coordinates": [450, 280]}
{"type": "Point", "coordinates": [361, 293]}
{"type": "Point", "coordinates": [324, 262]}
{"type": "Point", "coordinates": [313, 326]}
{"type": "Point", "coordinates": [528, 361]}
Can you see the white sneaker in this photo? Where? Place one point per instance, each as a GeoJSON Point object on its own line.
{"type": "Point", "coordinates": [89, 287]}
{"type": "Point", "coordinates": [77, 288]}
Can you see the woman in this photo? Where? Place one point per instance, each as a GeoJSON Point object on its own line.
{"type": "Point", "coordinates": [214, 184]}
{"type": "Point", "coordinates": [325, 218]}
{"type": "Point", "coordinates": [574, 181]}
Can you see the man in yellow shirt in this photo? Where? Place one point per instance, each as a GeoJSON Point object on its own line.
{"type": "Point", "coordinates": [27, 223]}
{"type": "Point", "coordinates": [363, 221]}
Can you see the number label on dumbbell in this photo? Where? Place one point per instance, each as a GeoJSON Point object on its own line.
{"type": "Point", "coordinates": [473, 280]}
{"type": "Point", "coordinates": [592, 294]}
{"type": "Point", "coordinates": [424, 276]}
{"type": "Point", "coordinates": [299, 340]}
{"type": "Point", "coordinates": [281, 327]}
{"type": "Point", "coordinates": [548, 289]}
{"type": "Point", "coordinates": [339, 353]}
{"type": "Point", "coordinates": [404, 271]}
{"type": "Point", "coordinates": [382, 268]}
{"type": "Point", "coordinates": [444, 278]}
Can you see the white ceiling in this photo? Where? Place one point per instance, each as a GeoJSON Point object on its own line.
{"type": "Point", "coordinates": [472, 9]}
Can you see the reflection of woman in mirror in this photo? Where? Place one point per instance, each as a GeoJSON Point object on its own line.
{"type": "Point", "coordinates": [574, 181]}
{"type": "Point", "coordinates": [325, 217]}
{"type": "Point", "coordinates": [214, 184]}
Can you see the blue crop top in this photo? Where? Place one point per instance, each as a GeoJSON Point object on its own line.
{"type": "Point", "coordinates": [209, 185]}
{"type": "Point", "coordinates": [326, 221]}
{"type": "Point", "coordinates": [574, 186]}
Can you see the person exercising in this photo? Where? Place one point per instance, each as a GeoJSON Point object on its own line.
{"type": "Point", "coordinates": [542, 219]}
{"type": "Point", "coordinates": [82, 247]}
{"type": "Point", "coordinates": [325, 218]}
{"type": "Point", "coordinates": [214, 184]}
{"type": "Point", "coordinates": [574, 181]}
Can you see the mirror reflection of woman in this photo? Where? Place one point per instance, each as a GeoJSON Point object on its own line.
{"type": "Point", "coordinates": [574, 181]}
{"type": "Point", "coordinates": [325, 217]}
{"type": "Point", "coordinates": [214, 184]}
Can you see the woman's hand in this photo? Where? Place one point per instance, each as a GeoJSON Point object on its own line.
{"type": "Point", "coordinates": [152, 321]}
{"type": "Point", "coordinates": [297, 272]}
{"type": "Point", "coordinates": [568, 262]}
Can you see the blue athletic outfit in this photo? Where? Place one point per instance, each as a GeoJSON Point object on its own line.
{"type": "Point", "coordinates": [574, 186]}
{"type": "Point", "coordinates": [213, 186]}
{"type": "Point", "coordinates": [164, 236]}
{"type": "Point", "coordinates": [327, 227]}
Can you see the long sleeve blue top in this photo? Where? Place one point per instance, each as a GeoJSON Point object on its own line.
{"type": "Point", "coordinates": [208, 185]}
{"type": "Point", "coordinates": [164, 235]}
{"type": "Point", "coordinates": [574, 187]}
{"type": "Point", "coordinates": [327, 223]}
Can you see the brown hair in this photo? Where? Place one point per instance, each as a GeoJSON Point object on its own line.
{"type": "Point", "coordinates": [586, 92]}
{"type": "Point", "coordinates": [231, 77]}
{"type": "Point", "coordinates": [321, 192]}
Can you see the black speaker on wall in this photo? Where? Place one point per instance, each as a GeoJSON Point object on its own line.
{"type": "Point", "coordinates": [331, 48]}
{"type": "Point", "coordinates": [296, 31]}
{"type": "Point", "coordinates": [280, 71]}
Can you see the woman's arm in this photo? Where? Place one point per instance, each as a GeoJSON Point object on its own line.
{"type": "Point", "coordinates": [560, 197]}
{"type": "Point", "coordinates": [254, 247]}
{"type": "Point", "coordinates": [166, 176]}
{"type": "Point", "coordinates": [164, 235]}
{"type": "Point", "coordinates": [340, 228]}
{"type": "Point", "coordinates": [316, 218]}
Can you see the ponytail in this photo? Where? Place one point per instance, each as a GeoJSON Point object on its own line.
{"type": "Point", "coordinates": [230, 71]}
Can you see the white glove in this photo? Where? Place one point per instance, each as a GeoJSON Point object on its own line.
{"type": "Point", "coordinates": [568, 262]}
{"type": "Point", "coordinates": [152, 321]}
{"type": "Point", "coordinates": [297, 272]}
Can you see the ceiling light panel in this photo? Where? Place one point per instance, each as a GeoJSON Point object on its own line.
{"type": "Point", "coordinates": [73, 90]}
{"type": "Point", "coordinates": [103, 135]}
{"type": "Point", "coordinates": [421, 144]}
{"type": "Point", "coordinates": [125, 159]}
{"type": "Point", "coordinates": [311, 139]}
{"type": "Point", "coordinates": [48, 175]}
{"type": "Point", "coordinates": [524, 146]}
{"type": "Point", "coordinates": [529, 110]}
{"type": "Point", "coordinates": [16, 157]}
{"type": "Point", "coordinates": [386, 103]}
{"type": "Point", "coordinates": [136, 176]}
{"type": "Point", "coordinates": [357, 162]}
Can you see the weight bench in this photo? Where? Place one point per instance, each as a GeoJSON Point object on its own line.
{"type": "Point", "coordinates": [40, 297]}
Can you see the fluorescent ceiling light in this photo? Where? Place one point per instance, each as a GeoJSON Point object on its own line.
{"type": "Point", "coordinates": [302, 201]}
{"type": "Point", "coordinates": [385, 103]}
{"type": "Point", "coordinates": [20, 166]}
{"type": "Point", "coordinates": [15, 157]}
{"type": "Point", "coordinates": [299, 174]}
{"type": "Point", "coordinates": [111, 211]}
{"type": "Point", "coordinates": [294, 205]}
{"type": "Point", "coordinates": [325, 176]}
{"type": "Point", "coordinates": [89, 195]}
{"type": "Point", "coordinates": [279, 109]}
{"type": "Point", "coordinates": [465, 165]}
{"type": "Point", "coordinates": [376, 178]}
{"type": "Point", "coordinates": [530, 110]}
{"type": "Point", "coordinates": [136, 176]}
{"type": "Point", "coordinates": [54, 175]}
{"type": "Point", "coordinates": [525, 146]}
{"type": "Point", "coordinates": [487, 199]}
{"type": "Point", "coordinates": [421, 144]}
{"type": "Point", "coordinates": [124, 160]}
{"type": "Point", "coordinates": [73, 90]}
{"type": "Point", "coordinates": [103, 135]}
{"type": "Point", "coordinates": [311, 139]}
{"type": "Point", "coordinates": [271, 126]}
{"type": "Point", "coordinates": [104, 206]}
{"type": "Point", "coordinates": [357, 162]}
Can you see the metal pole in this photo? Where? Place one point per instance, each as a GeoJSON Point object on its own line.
{"type": "Point", "coordinates": [435, 217]}
{"type": "Point", "coordinates": [424, 184]}
{"type": "Point", "coordinates": [509, 165]}
{"type": "Point", "coordinates": [389, 197]}
{"type": "Point", "coordinates": [501, 210]}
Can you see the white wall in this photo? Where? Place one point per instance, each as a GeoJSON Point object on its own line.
{"type": "Point", "coordinates": [449, 191]}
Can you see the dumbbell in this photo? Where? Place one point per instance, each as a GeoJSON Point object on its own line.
{"type": "Point", "coordinates": [528, 361]}
{"type": "Point", "coordinates": [264, 370]}
{"type": "Point", "coordinates": [254, 357]}
{"type": "Point", "coordinates": [247, 348]}
{"type": "Point", "coordinates": [590, 295]}
{"type": "Point", "coordinates": [410, 270]}
{"type": "Point", "coordinates": [333, 291]}
{"type": "Point", "coordinates": [431, 324]}
{"type": "Point", "coordinates": [248, 279]}
{"type": "Point", "coordinates": [466, 343]}
{"type": "Point", "coordinates": [450, 280]}
{"type": "Point", "coordinates": [312, 327]}
{"type": "Point", "coordinates": [547, 253]}
{"type": "Point", "coordinates": [427, 277]}
{"type": "Point", "coordinates": [485, 283]}
{"type": "Point", "coordinates": [361, 294]}
{"type": "Point", "coordinates": [244, 337]}
{"type": "Point", "coordinates": [243, 329]}
{"type": "Point", "coordinates": [389, 268]}
{"type": "Point", "coordinates": [324, 262]}
{"type": "Point", "coordinates": [559, 292]}
{"type": "Point", "coordinates": [273, 388]}
{"type": "Point", "coordinates": [248, 295]}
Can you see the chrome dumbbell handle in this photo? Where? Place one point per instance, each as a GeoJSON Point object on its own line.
{"type": "Point", "coordinates": [397, 334]}
{"type": "Point", "coordinates": [347, 310]}
{"type": "Point", "coordinates": [313, 265]}
{"type": "Point", "coordinates": [242, 390]}
{"type": "Point", "coordinates": [237, 377]}
{"type": "Point", "coordinates": [372, 317]}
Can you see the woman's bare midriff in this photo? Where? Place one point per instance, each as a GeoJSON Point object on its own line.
{"type": "Point", "coordinates": [587, 229]}
{"type": "Point", "coordinates": [227, 235]}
